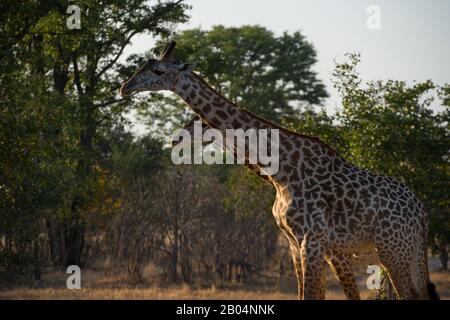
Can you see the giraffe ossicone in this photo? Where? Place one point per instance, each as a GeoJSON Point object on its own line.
{"type": "Point", "coordinates": [328, 209]}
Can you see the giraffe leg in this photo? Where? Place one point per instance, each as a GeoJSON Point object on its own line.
{"type": "Point", "coordinates": [313, 265]}
{"type": "Point", "coordinates": [297, 259]}
{"type": "Point", "coordinates": [342, 267]}
{"type": "Point", "coordinates": [398, 267]}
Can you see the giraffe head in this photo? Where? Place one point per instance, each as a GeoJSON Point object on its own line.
{"type": "Point", "coordinates": [157, 74]}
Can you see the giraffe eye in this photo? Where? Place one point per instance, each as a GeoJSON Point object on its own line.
{"type": "Point", "coordinates": [158, 72]}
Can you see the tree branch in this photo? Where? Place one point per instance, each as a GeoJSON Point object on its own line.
{"type": "Point", "coordinates": [114, 60]}
{"type": "Point", "coordinates": [127, 40]}
{"type": "Point", "coordinates": [76, 73]}
{"type": "Point", "coordinates": [109, 102]}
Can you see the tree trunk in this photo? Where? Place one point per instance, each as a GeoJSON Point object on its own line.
{"type": "Point", "coordinates": [37, 261]}
{"type": "Point", "coordinates": [66, 238]}
{"type": "Point", "coordinates": [66, 235]}
{"type": "Point", "coordinates": [54, 228]}
{"type": "Point", "coordinates": [75, 225]}
{"type": "Point", "coordinates": [443, 256]}
{"type": "Point", "coordinates": [74, 238]}
{"type": "Point", "coordinates": [174, 259]}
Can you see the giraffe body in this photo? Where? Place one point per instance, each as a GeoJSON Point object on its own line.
{"type": "Point", "coordinates": [327, 208]}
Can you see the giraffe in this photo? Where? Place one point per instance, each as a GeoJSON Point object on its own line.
{"type": "Point", "coordinates": [343, 270]}
{"type": "Point", "coordinates": [327, 208]}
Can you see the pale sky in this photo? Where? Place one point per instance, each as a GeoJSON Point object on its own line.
{"type": "Point", "coordinates": [413, 42]}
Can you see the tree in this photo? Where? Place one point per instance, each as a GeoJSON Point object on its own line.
{"type": "Point", "coordinates": [32, 181]}
{"type": "Point", "coordinates": [74, 72]}
{"type": "Point", "coordinates": [133, 170]}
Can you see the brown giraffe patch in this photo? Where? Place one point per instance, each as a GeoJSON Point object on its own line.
{"type": "Point", "coordinates": [222, 114]}
{"type": "Point", "coordinates": [207, 108]}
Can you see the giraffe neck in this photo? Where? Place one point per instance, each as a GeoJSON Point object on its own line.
{"type": "Point", "coordinates": [296, 151]}
{"type": "Point", "coordinates": [214, 109]}
{"type": "Point", "coordinates": [219, 113]}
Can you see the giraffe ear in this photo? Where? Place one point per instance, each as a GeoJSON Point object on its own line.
{"type": "Point", "coordinates": [187, 66]}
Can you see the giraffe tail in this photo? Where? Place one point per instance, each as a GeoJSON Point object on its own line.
{"type": "Point", "coordinates": [432, 292]}
{"type": "Point", "coordinates": [431, 287]}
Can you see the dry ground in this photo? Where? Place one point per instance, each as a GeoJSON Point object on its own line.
{"type": "Point", "coordinates": [99, 285]}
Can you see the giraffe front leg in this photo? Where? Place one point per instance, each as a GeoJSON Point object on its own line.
{"type": "Point", "coordinates": [297, 259]}
{"type": "Point", "coordinates": [313, 264]}
{"type": "Point", "coordinates": [342, 267]}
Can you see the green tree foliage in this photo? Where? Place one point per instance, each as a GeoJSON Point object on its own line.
{"type": "Point", "coordinates": [318, 123]}
{"type": "Point", "coordinates": [59, 96]}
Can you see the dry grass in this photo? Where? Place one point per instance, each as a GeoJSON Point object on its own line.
{"type": "Point", "coordinates": [98, 285]}
{"type": "Point", "coordinates": [152, 293]}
